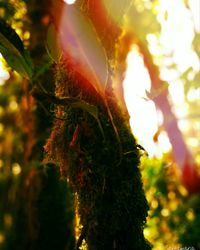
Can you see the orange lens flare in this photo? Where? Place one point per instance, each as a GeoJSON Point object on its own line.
{"type": "Point", "coordinates": [81, 47]}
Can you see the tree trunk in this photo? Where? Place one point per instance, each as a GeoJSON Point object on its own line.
{"type": "Point", "coordinates": [97, 153]}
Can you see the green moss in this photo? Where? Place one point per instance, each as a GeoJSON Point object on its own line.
{"type": "Point", "coordinates": [103, 172]}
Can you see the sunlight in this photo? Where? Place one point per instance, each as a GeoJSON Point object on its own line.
{"type": "Point", "coordinates": [177, 34]}
{"type": "Point", "coordinates": [193, 95]}
{"type": "Point", "coordinates": [195, 7]}
{"type": "Point", "coordinates": [4, 75]}
{"type": "Point", "coordinates": [142, 111]}
{"type": "Point", "coordinates": [69, 1]}
{"type": "Point", "coordinates": [173, 47]}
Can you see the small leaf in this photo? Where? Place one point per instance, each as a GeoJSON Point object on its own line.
{"type": "Point", "coordinates": [12, 49]}
{"type": "Point", "coordinates": [154, 93]}
{"type": "Point", "coordinates": [41, 94]}
{"type": "Point", "coordinates": [53, 47]}
{"type": "Point", "coordinates": [91, 109]}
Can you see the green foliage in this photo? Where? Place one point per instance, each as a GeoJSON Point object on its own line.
{"type": "Point", "coordinates": [174, 215]}
{"type": "Point", "coordinates": [12, 49]}
{"type": "Point", "coordinates": [186, 221]}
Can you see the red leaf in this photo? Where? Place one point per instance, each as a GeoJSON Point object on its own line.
{"type": "Point", "coordinates": [82, 47]}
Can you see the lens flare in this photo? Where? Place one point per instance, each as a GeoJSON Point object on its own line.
{"type": "Point", "coordinates": [69, 1]}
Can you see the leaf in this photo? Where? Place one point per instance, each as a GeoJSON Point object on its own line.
{"type": "Point", "coordinates": [154, 93]}
{"type": "Point", "coordinates": [12, 49]}
{"type": "Point", "coordinates": [28, 60]}
{"type": "Point", "coordinates": [45, 66]}
{"type": "Point", "coordinates": [76, 103]}
{"type": "Point", "coordinates": [40, 94]}
{"type": "Point", "coordinates": [11, 35]}
{"type": "Point", "coordinates": [53, 47]}
{"type": "Point", "coordinates": [82, 47]}
{"type": "Point", "coordinates": [91, 109]}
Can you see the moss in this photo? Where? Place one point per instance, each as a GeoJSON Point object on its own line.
{"type": "Point", "coordinates": [103, 171]}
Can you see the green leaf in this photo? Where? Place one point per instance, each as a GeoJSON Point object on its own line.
{"type": "Point", "coordinates": [28, 60]}
{"type": "Point", "coordinates": [11, 35]}
{"type": "Point", "coordinates": [91, 109]}
{"type": "Point", "coordinates": [12, 49]}
{"type": "Point", "coordinates": [53, 47]}
{"type": "Point", "coordinates": [45, 66]}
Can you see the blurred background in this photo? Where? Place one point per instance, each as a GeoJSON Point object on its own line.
{"type": "Point", "coordinates": [171, 32]}
{"type": "Point", "coordinates": [162, 93]}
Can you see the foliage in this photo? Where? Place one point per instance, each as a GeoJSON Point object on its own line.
{"type": "Point", "coordinates": [12, 49]}
{"type": "Point", "coordinates": [173, 212]}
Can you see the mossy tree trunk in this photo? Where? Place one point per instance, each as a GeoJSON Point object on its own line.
{"type": "Point", "coordinates": [100, 158]}
{"type": "Point", "coordinates": [104, 174]}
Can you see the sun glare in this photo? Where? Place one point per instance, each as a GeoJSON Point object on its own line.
{"type": "Point", "coordinates": [69, 1]}
{"type": "Point", "coordinates": [174, 46]}
{"type": "Point", "coordinates": [142, 111]}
